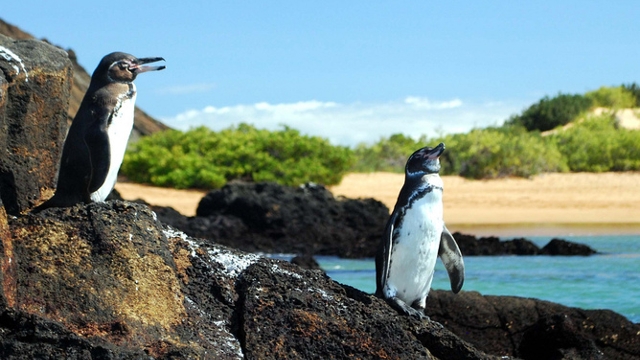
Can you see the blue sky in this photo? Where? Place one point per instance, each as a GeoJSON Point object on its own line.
{"type": "Point", "coordinates": [350, 71]}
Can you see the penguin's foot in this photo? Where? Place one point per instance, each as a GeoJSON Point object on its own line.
{"type": "Point", "coordinates": [402, 307]}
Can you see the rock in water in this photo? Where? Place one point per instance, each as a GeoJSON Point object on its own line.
{"type": "Point", "coordinates": [563, 247]}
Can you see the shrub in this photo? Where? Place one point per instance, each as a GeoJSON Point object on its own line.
{"type": "Point", "coordinates": [550, 113]}
{"type": "Point", "coordinates": [480, 154]}
{"type": "Point", "coordinates": [612, 97]}
{"type": "Point", "coordinates": [635, 90]}
{"type": "Point", "coordinates": [388, 154]}
{"type": "Point", "coordinates": [500, 152]}
{"type": "Point", "coordinates": [202, 158]}
{"type": "Point", "coordinates": [595, 145]}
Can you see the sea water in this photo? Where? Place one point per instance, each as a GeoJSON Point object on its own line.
{"type": "Point", "coordinates": [610, 280]}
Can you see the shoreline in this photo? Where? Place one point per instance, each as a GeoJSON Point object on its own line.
{"type": "Point", "coordinates": [555, 204]}
{"type": "Point", "coordinates": [546, 229]}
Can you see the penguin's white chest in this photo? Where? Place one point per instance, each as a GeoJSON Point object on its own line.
{"type": "Point", "coordinates": [119, 131]}
{"type": "Point", "coordinates": [415, 252]}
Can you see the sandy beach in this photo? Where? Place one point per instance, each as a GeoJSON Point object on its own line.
{"type": "Point", "coordinates": [549, 204]}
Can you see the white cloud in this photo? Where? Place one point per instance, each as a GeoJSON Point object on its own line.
{"type": "Point", "coordinates": [350, 124]}
{"type": "Point", "coordinates": [425, 103]}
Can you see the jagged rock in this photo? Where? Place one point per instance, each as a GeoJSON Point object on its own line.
{"type": "Point", "coordinates": [486, 246]}
{"type": "Point", "coordinates": [35, 79]}
{"type": "Point", "coordinates": [269, 217]}
{"type": "Point", "coordinates": [563, 247]}
{"type": "Point", "coordinates": [534, 329]}
{"type": "Point", "coordinates": [108, 280]}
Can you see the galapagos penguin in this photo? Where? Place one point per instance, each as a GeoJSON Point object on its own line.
{"type": "Point", "coordinates": [97, 139]}
{"type": "Point", "coordinates": [415, 235]}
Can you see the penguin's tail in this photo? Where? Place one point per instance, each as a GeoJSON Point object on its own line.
{"type": "Point", "coordinates": [45, 205]}
{"type": "Point", "coordinates": [55, 201]}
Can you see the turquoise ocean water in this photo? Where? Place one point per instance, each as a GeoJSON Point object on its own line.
{"type": "Point", "coordinates": [607, 281]}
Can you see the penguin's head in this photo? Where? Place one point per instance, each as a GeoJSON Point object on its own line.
{"type": "Point", "coordinates": [425, 161]}
{"type": "Point", "coordinates": [122, 67]}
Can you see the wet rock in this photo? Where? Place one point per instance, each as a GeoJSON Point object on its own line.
{"type": "Point", "coordinates": [563, 247]}
{"type": "Point", "coordinates": [35, 80]}
{"type": "Point", "coordinates": [490, 246]}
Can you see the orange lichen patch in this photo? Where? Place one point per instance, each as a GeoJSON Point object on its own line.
{"type": "Point", "coordinates": [308, 324]}
{"type": "Point", "coordinates": [314, 326]}
{"type": "Point", "coordinates": [91, 329]}
{"type": "Point", "coordinates": [8, 262]}
{"type": "Point", "coordinates": [180, 258]}
{"type": "Point", "coordinates": [158, 348]}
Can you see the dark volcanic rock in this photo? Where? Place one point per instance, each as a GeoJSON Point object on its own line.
{"type": "Point", "coordinates": [534, 329]}
{"type": "Point", "coordinates": [35, 79]}
{"type": "Point", "coordinates": [269, 217]}
{"type": "Point", "coordinates": [486, 246]}
{"type": "Point", "coordinates": [109, 281]}
{"type": "Point", "coordinates": [563, 247]}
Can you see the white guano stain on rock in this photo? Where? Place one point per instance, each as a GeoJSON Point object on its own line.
{"type": "Point", "coordinates": [10, 56]}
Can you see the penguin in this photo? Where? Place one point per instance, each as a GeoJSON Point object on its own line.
{"type": "Point", "coordinates": [97, 139]}
{"type": "Point", "coordinates": [415, 235]}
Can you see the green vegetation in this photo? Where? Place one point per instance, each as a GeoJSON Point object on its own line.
{"type": "Point", "coordinates": [594, 144]}
{"type": "Point", "coordinates": [612, 97]}
{"type": "Point", "coordinates": [479, 154]}
{"type": "Point", "coordinates": [518, 148]}
{"type": "Point", "coordinates": [635, 90]}
{"type": "Point", "coordinates": [500, 152]}
{"type": "Point", "coordinates": [202, 158]}
{"type": "Point", "coordinates": [387, 154]}
{"type": "Point", "coordinates": [550, 113]}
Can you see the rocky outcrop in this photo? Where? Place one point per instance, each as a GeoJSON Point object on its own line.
{"type": "Point", "coordinates": [486, 246]}
{"type": "Point", "coordinates": [268, 217]}
{"type": "Point", "coordinates": [35, 80]}
{"type": "Point", "coordinates": [110, 281]}
{"type": "Point", "coordinates": [143, 123]}
{"type": "Point", "coordinates": [535, 329]}
{"type": "Point", "coordinates": [563, 247]}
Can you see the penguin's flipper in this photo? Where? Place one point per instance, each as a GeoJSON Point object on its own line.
{"type": "Point", "coordinates": [451, 257]}
{"type": "Point", "coordinates": [99, 151]}
{"type": "Point", "coordinates": [383, 257]}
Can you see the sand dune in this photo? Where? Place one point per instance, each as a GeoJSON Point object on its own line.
{"type": "Point", "coordinates": [554, 204]}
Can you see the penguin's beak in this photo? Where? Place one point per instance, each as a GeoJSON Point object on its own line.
{"type": "Point", "coordinates": [137, 68]}
{"type": "Point", "coordinates": [435, 152]}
